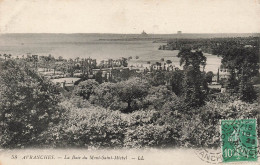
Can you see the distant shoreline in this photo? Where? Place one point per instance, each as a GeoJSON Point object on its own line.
{"type": "Point", "coordinates": [139, 36]}
{"type": "Point", "coordinates": [130, 39]}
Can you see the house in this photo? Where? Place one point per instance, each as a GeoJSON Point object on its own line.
{"type": "Point", "coordinates": [64, 82]}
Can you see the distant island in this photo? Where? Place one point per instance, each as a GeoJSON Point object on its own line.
{"type": "Point", "coordinates": [144, 33]}
{"type": "Point", "coordinates": [164, 38]}
{"type": "Point", "coordinates": [135, 37]}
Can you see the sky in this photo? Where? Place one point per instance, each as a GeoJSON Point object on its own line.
{"type": "Point", "coordinates": [129, 16]}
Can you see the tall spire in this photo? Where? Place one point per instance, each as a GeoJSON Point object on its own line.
{"type": "Point", "coordinates": [144, 33]}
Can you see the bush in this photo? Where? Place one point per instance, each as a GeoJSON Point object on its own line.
{"type": "Point", "coordinates": [204, 126]}
{"type": "Point", "coordinates": [149, 129]}
{"type": "Point", "coordinates": [149, 135]}
{"type": "Point", "coordinates": [97, 127]}
{"type": "Point", "coordinates": [88, 127]}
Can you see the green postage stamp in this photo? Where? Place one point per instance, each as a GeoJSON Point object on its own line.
{"type": "Point", "coordinates": [239, 140]}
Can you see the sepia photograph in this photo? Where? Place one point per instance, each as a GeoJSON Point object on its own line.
{"type": "Point", "coordinates": [153, 82]}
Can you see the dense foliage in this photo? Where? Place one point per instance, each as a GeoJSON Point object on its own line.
{"type": "Point", "coordinates": [92, 126]}
{"type": "Point", "coordinates": [161, 109]}
{"type": "Point", "coordinates": [85, 88]}
{"type": "Point", "coordinates": [193, 80]}
{"type": "Point", "coordinates": [243, 66]}
{"type": "Point", "coordinates": [28, 105]}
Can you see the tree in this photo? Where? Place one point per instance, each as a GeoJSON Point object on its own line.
{"type": "Point", "coordinates": [120, 96]}
{"type": "Point", "coordinates": [192, 61]}
{"type": "Point", "coordinates": [63, 68]}
{"type": "Point", "coordinates": [247, 91]}
{"type": "Point", "coordinates": [149, 65]}
{"type": "Point", "coordinates": [158, 65]}
{"type": "Point", "coordinates": [5, 55]}
{"type": "Point", "coordinates": [209, 76]}
{"type": "Point", "coordinates": [242, 64]}
{"type": "Point", "coordinates": [176, 79]}
{"type": "Point", "coordinates": [159, 96]}
{"type": "Point", "coordinates": [29, 105]}
{"type": "Point", "coordinates": [218, 76]}
{"type": "Point", "coordinates": [77, 59]}
{"type": "Point", "coordinates": [102, 64]}
{"type": "Point", "coordinates": [60, 58]}
{"type": "Point", "coordinates": [105, 95]}
{"type": "Point", "coordinates": [125, 74]}
{"type": "Point", "coordinates": [85, 88]}
{"type": "Point", "coordinates": [168, 62]}
{"type": "Point", "coordinates": [130, 90]}
{"type": "Point", "coordinates": [98, 77]}
{"type": "Point", "coordinates": [157, 78]}
{"type": "Point", "coordinates": [124, 62]}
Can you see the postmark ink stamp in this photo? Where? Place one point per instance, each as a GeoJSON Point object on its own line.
{"type": "Point", "coordinates": [239, 140]}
